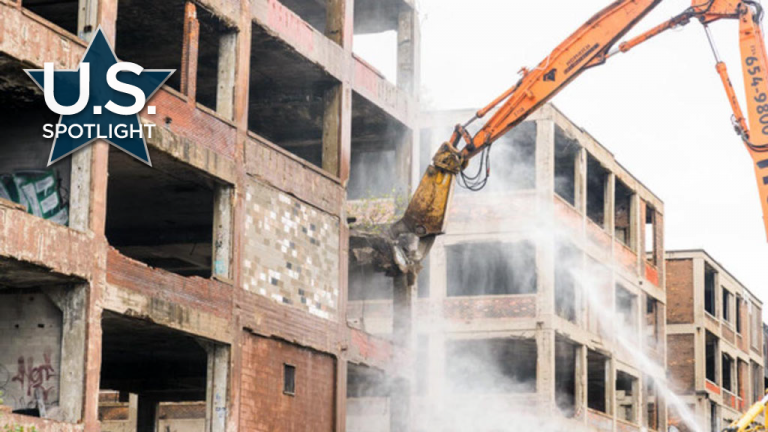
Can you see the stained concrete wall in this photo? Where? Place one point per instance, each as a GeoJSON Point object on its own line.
{"type": "Point", "coordinates": [30, 349]}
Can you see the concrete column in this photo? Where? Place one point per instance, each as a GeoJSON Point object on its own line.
{"type": "Point", "coordinates": [545, 161]}
{"type": "Point", "coordinates": [339, 22]}
{"type": "Point", "coordinates": [580, 181]}
{"type": "Point", "coordinates": [404, 157]}
{"type": "Point", "coordinates": [222, 231]}
{"type": "Point", "coordinates": [610, 389]}
{"type": "Point", "coordinates": [580, 401]}
{"type": "Point", "coordinates": [545, 370]}
{"type": "Point", "coordinates": [189, 52]}
{"type": "Point", "coordinates": [332, 119]}
{"type": "Point", "coordinates": [408, 51]}
{"type": "Point", "coordinates": [610, 205]}
{"type": "Point", "coordinates": [403, 336]}
{"type": "Point", "coordinates": [341, 394]}
{"type": "Point", "coordinates": [72, 302]}
{"type": "Point", "coordinates": [133, 411]}
{"type": "Point", "coordinates": [225, 93]}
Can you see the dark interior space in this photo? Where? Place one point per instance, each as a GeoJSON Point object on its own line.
{"type": "Point", "coordinates": [566, 288]}
{"type": "Point", "coordinates": [597, 377]}
{"type": "Point", "coordinates": [727, 373]}
{"type": "Point", "coordinates": [727, 300]}
{"type": "Point", "coordinates": [376, 137]}
{"type": "Point", "coordinates": [710, 291]}
{"type": "Point", "coordinates": [313, 12]}
{"type": "Point", "coordinates": [366, 382]}
{"type": "Point", "coordinates": [597, 184]}
{"type": "Point", "coordinates": [623, 214]}
{"type": "Point", "coordinates": [287, 97]}
{"type": "Point", "coordinates": [164, 20]}
{"type": "Point", "coordinates": [565, 376]}
{"type": "Point", "coordinates": [156, 363]}
{"type": "Point", "coordinates": [25, 177]}
{"type": "Point", "coordinates": [488, 366]}
{"type": "Point", "coordinates": [63, 13]}
{"type": "Point", "coordinates": [488, 269]}
{"type": "Point", "coordinates": [626, 397]}
{"type": "Point", "coordinates": [212, 29]}
{"type": "Point", "coordinates": [365, 283]}
{"type": "Point", "coordinates": [711, 357]}
{"type": "Point", "coordinates": [566, 152]}
{"type": "Point", "coordinates": [160, 215]}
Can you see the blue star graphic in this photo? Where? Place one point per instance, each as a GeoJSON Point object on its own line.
{"type": "Point", "coordinates": [100, 56]}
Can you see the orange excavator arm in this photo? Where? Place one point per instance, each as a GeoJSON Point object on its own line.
{"type": "Point", "coordinates": [589, 46]}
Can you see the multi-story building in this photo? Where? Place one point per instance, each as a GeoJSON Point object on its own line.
{"type": "Point", "coordinates": [210, 289]}
{"type": "Point", "coordinates": [544, 303]}
{"type": "Point", "coordinates": [714, 339]}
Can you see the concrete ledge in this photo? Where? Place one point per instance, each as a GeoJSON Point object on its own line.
{"type": "Point", "coordinates": [12, 421]}
{"type": "Point", "coordinates": [30, 239]}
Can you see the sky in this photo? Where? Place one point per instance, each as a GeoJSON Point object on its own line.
{"type": "Point", "coordinates": [660, 109]}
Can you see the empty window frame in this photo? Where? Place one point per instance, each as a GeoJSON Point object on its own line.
{"type": "Point", "coordinates": [714, 417]}
{"type": "Point", "coordinates": [565, 376]}
{"type": "Point", "coordinates": [174, 227]}
{"type": "Point", "coordinates": [652, 411]}
{"type": "Point", "coordinates": [597, 380]}
{"type": "Point", "coordinates": [488, 269]}
{"type": "Point", "coordinates": [216, 63]}
{"type": "Point", "coordinates": [626, 312]}
{"type": "Point", "coordinates": [712, 353]}
{"type": "Point", "coordinates": [567, 295]}
{"type": "Point", "coordinates": [624, 214]}
{"type": "Point", "coordinates": [25, 178]}
{"type": "Point", "coordinates": [567, 153]}
{"type": "Point", "coordinates": [626, 397]}
{"type": "Point", "coordinates": [727, 300]}
{"type": "Point", "coordinates": [289, 379]}
{"type": "Point", "coordinates": [491, 366]}
{"type": "Point", "coordinates": [653, 322]}
{"type": "Point", "coordinates": [164, 20]}
{"type": "Point", "coordinates": [375, 39]}
{"type": "Point", "coordinates": [597, 187]}
{"type": "Point", "coordinates": [710, 290]}
{"type": "Point", "coordinates": [727, 365]}
{"type": "Point", "coordinates": [650, 234]}
{"type": "Point", "coordinates": [291, 100]}
{"type": "Point", "coordinates": [379, 149]}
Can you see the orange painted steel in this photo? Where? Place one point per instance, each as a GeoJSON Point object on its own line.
{"type": "Point", "coordinates": [589, 46]}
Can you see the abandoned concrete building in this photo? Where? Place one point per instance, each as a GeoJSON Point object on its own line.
{"type": "Point", "coordinates": [519, 303]}
{"type": "Point", "coordinates": [714, 339]}
{"type": "Point", "coordinates": [208, 292]}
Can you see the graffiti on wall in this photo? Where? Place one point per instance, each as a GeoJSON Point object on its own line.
{"type": "Point", "coordinates": [31, 380]}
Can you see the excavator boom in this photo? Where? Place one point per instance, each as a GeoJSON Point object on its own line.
{"type": "Point", "coordinates": [591, 45]}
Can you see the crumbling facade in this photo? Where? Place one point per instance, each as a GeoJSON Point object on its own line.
{"type": "Point", "coordinates": [208, 292]}
{"type": "Point", "coordinates": [544, 302]}
{"type": "Point", "coordinates": [714, 338]}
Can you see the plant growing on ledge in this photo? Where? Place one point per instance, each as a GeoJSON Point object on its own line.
{"type": "Point", "coordinates": [373, 215]}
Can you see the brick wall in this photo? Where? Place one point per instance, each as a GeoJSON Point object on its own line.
{"type": "Point", "coordinates": [681, 363]}
{"type": "Point", "coordinates": [30, 349]}
{"type": "Point", "coordinates": [265, 407]}
{"type": "Point", "coordinates": [679, 291]}
{"type": "Point", "coordinates": [291, 252]}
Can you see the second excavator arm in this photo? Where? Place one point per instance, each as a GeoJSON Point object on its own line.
{"type": "Point", "coordinates": [589, 46]}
